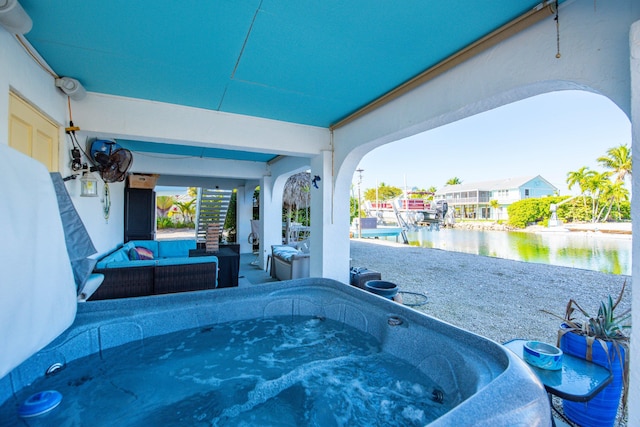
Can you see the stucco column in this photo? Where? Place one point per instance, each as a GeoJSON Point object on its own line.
{"type": "Point", "coordinates": [329, 223]}
{"type": "Point", "coordinates": [244, 214]}
{"type": "Point", "coordinates": [271, 190]}
{"type": "Point", "coordinates": [634, 380]}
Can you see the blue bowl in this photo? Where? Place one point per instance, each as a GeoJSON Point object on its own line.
{"type": "Point", "coordinates": [542, 355]}
{"type": "Point", "coordinates": [382, 288]}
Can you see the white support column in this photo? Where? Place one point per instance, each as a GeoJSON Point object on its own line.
{"type": "Point", "coordinates": [270, 214]}
{"type": "Point", "coordinates": [329, 223]}
{"type": "Point", "coordinates": [244, 214]}
{"type": "Point", "coordinates": [634, 380]}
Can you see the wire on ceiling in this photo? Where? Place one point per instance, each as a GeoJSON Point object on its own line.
{"type": "Point", "coordinates": [27, 47]}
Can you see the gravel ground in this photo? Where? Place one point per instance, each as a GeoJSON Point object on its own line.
{"type": "Point", "coordinates": [496, 298]}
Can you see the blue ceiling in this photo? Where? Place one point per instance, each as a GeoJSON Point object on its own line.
{"type": "Point", "coordinates": [302, 61]}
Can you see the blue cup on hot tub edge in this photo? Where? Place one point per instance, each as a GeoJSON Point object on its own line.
{"type": "Point", "coordinates": [382, 288]}
{"type": "Point", "coordinates": [542, 355]}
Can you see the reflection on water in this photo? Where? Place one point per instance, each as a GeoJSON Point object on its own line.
{"type": "Point", "coordinates": [608, 253]}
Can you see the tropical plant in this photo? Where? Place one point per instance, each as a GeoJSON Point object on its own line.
{"type": "Point", "coordinates": [230, 219]}
{"type": "Point", "coordinates": [612, 194]}
{"type": "Point", "coordinates": [164, 205]}
{"type": "Point", "coordinates": [187, 210]}
{"type": "Point", "coordinates": [580, 178]}
{"type": "Point", "coordinates": [164, 222]}
{"type": "Point", "coordinates": [384, 192]}
{"type": "Point", "coordinates": [453, 181]}
{"type": "Point", "coordinates": [528, 211]}
{"type": "Point", "coordinates": [606, 326]}
{"type": "Point", "coordinates": [296, 195]}
{"type": "Point", "coordinates": [193, 192]}
{"type": "Point", "coordinates": [618, 161]}
{"type": "Point", "coordinates": [354, 207]}
{"type": "Point", "coordinates": [494, 205]}
{"type": "Point", "coordinates": [596, 185]}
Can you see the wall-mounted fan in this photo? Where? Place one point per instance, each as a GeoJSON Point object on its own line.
{"type": "Point", "coordinates": [110, 159]}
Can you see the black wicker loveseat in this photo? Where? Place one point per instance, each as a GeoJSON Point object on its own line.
{"type": "Point", "coordinates": [150, 267]}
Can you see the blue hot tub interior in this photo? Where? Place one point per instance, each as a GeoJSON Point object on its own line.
{"type": "Point", "coordinates": [480, 382]}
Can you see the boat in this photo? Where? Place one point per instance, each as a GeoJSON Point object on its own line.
{"type": "Point", "coordinates": [370, 229]}
{"type": "Point", "coordinates": [409, 213]}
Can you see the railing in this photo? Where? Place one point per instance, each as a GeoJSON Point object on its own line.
{"type": "Point", "coordinates": [468, 200]}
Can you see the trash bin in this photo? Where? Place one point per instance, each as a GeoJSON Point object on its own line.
{"type": "Point", "coordinates": [382, 288]}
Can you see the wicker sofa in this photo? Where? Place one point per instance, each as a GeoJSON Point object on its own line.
{"type": "Point", "coordinates": [290, 262]}
{"type": "Point", "coordinates": [169, 270]}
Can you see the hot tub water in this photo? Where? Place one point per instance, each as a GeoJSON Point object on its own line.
{"type": "Point", "coordinates": [279, 371]}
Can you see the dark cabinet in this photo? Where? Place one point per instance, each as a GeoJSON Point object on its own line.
{"type": "Point", "coordinates": [139, 214]}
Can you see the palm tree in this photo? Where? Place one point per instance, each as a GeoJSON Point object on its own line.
{"type": "Point", "coordinates": [187, 209]}
{"type": "Point", "coordinates": [618, 161]}
{"type": "Point", "coordinates": [580, 177]}
{"type": "Point", "coordinates": [595, 185]}
{"type": "Point", "coordinates": [614, 193]}
{"type": "Point", "coordinates": [453, 181]}
{"type": "Point", "coordinates": [495, 205]}
{"type": "Point", "coordinates": [296, 195]}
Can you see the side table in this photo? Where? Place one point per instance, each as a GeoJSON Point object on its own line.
{"type": "Point", "coordinates": [579, 380]}
{"type": "Point", "coordinates": [228, 265]}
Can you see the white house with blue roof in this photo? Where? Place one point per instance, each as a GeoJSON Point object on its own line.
{"type": "Point", "coordinates": [473, 200]}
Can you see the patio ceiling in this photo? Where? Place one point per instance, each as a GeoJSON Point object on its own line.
{"type": "Point", "coordinates": [305, 62]}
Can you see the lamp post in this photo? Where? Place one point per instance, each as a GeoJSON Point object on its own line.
{"type": "Point", "coordinates": [359, 203]}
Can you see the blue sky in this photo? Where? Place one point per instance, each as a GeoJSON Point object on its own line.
{"type": "Point", "coordinates": [547, 135]}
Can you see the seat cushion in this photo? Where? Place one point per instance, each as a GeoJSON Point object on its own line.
{"type": "Point", "coordinates": [175, 248]}
{"type": "Point", "coordinates": [285, 253]}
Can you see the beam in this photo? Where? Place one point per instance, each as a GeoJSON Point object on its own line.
{"type": "Point", "coordinates": [543, 10]}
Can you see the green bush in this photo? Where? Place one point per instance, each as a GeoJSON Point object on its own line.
{"type": "Point", "coordinates": [528, 211]}
{"type": "Point", "coordinates": [577, 210]}
{"type": "Point", "coordinates": [164, 222]}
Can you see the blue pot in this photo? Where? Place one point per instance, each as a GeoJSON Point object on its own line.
{"type": "Point", "coordinates": [382, 288]}
{"type": "Point", "coordinates": [600, 411]}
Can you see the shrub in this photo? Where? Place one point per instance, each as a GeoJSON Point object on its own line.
{"type": "Point", "coordinates": [528, 211]}
{"type": "Point", "coordinates": [164, 222]}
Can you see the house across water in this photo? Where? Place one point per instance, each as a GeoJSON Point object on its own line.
{"type": "Point", "coordinates": [474, 200]}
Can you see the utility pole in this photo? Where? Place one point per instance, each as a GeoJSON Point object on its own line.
{"type": "Point", "coordinates": [359, 203]}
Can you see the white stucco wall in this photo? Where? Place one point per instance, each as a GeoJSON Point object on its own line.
{"type": "Point", "coordinates": [32, 83]}
{"type": "Point", "coordinates": [634, 393]}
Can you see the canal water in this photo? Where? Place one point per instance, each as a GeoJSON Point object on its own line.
{"type": "Point", "coordinates": [608, 253]}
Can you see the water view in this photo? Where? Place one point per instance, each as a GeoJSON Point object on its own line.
{"type": "Point", "coordinates": [608, 253]}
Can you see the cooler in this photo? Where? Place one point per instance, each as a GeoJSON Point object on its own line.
{"type": "Point", "coordinates": [360, 275]}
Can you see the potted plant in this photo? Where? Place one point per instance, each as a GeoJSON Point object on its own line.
{"type": "Point", "coordinates": [600, 339]}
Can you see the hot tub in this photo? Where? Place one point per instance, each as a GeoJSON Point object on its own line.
{"type": "Point", "coordinates": [483, 383]}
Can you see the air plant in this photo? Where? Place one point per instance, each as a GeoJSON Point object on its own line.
{"type": "Point", "coordinates": [605, 327]}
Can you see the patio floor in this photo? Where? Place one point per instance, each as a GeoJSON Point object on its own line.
{"type": "Point", "coordinates": [250, 274]}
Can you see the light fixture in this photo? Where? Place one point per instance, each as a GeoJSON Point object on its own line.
{"type": "Point", "coordinates": [72, 87]}
{"type": "Point", "coordinates": [13, 17]}
{"type": "Point", "coordinates": [88, 185]}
